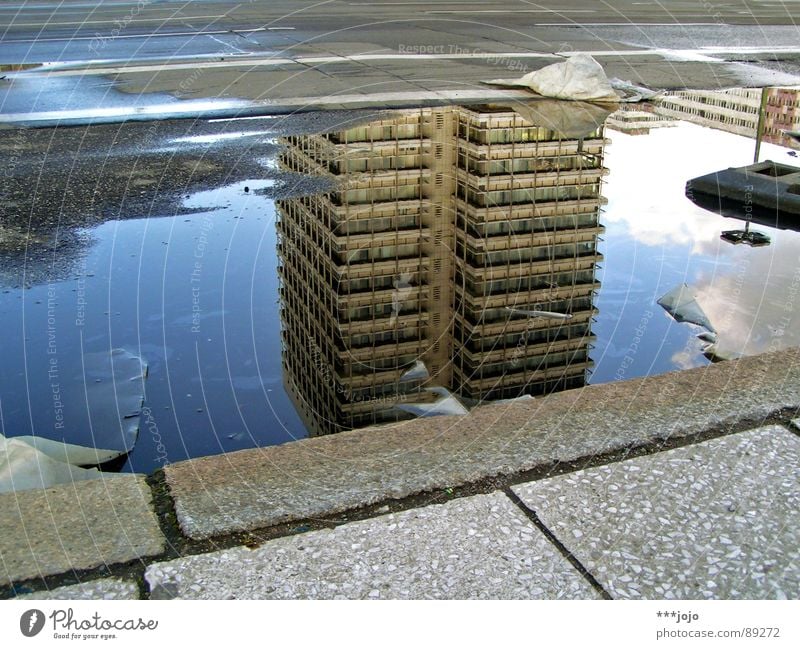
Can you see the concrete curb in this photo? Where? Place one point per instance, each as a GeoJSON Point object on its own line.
{"type": "Point", "coordinates": [222, 500]}
{"type": "Point", "coordinates": [319, 477]}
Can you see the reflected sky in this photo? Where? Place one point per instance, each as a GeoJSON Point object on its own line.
{"type": "Point", "coordinates": [656, 239]}
{"type": "Point", "coordinates": [195, 297]}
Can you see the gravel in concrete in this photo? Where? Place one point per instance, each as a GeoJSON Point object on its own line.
{"type": "Point", "coordinates": [76, 527]}
{"type": "Point", "coordinates": [720, 519]}
{"type": "Point", "coordinates": [313, 477]}
{"type": "Point", "coordinates": [97, 589]}
{"type": "Point", "coordinates": [476, 547]}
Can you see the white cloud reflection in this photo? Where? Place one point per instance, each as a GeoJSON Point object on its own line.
{"type": "Point", "coordinates": [751, 295]}
{"type": "Point", "coordinates": [647, 181]}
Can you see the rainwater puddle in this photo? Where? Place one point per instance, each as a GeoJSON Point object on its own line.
{"type": "Point", "coordinates": [282, 278]}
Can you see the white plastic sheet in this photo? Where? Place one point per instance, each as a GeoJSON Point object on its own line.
{"type": "Point", "coordinates": [578, 78]}
{"type": "Point", "coordinates": [447, 404]}
{"type": "Point", "coordinates": [681, 304]}
{"type": "Point", "coordinates": [418, 372]}
{"type": "Point", "coordinates": [549, 315]}
{"type": "Point", "coordinates": [37, 463]}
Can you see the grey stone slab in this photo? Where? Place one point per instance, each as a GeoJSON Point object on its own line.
{"type": "Point", "coordinates": [313, 80]}
{"type": "Point", "coordinates": [477, 547]}
{"type": "Point", "coordinates": [270, 83]}
{"type": "Point", "coordinates": [720, 519]}
{"type": "Point", "coordinates": [98, 589]}
{"type": "Point", "coordinates": [76, 527]}
{"type": "Point", "coordinates": [324, 475]}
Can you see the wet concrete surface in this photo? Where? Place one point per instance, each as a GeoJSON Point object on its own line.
{"type": "Point", "coordinates": [121, 29]}
{"type": "Point", "coordinates": [60, 183]}
{"type": "Point", "coordinates": [480, 547]}
{"type": "Point", "coordinates": [99, 589]}
{"type": "Point", "coordinates": [712, 520]}
{"type": "Point", "coordinates": [77, 527]}
{"type": "Point", "coordinates": [277, 52]}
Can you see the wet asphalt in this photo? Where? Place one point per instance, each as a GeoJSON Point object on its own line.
{"type": "Point", "coordinates": [58, 183]}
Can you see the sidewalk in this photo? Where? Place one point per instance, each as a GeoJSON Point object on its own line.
{"type": "Point", "coordinates": [683, 485]}
{"type": "Point", "coordinates": [345, 78]}
{"type": "Point", "coordinates": [718, 519]}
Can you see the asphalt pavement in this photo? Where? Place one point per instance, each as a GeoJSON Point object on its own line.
{"type": "Point", "coordinates": [135, 59]}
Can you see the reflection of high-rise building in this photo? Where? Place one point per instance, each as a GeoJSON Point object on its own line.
{"type": "Point", "coordinates": [737, 111]}
{"type": "Point", "coordinates": [465, 238]}
{"type": "Point", "coordinates": [781, 114]}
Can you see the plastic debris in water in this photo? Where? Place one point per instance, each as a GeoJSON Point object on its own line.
{"type": "Point", "coordinates": [28, 462]}
{"type": "Point", "coordinates": [109, 389]}
{"type": "Point", "coordinates": [115, 402]}
{"type": "Point", "coordinates": [447, 404]}
{"type": "Point", "coordinates": [540, 314]}
{"type": "Point", "coordinates": [417, 373]}
{"type": "Point", "coordinates": [681, 304]}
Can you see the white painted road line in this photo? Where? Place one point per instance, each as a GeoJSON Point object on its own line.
{"type": "Point", "coordinates": [628, 24]}
{"type": "Point", "coordinates": [110, 21]}
{"type": "Point", "coordinates": [511, 11]}
{"type": "Point", "coordinates": [144, 36]}
{"type": "Point", "coordinates": [410, 3]}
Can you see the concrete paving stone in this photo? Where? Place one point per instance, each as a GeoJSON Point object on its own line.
{"type": "Point", "coordinates": [715, 520]}
{"type": "Point", "coordinates": [98, 589]}
{"type": "Point", "coordinates": [323, 79]}
{"type": "Point", "coordinates": [76, 527]}
{"type": "Point", "coordinates": [324, 475]}
{"type": "Point", "coordinates": [671, 75]}
{"type": "Point", "coordinates": [272, 82]}
{"type": "Point", "coordinates": [481, 547]}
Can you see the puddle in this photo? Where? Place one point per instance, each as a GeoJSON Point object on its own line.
{"type": "Point", "coordinates": [298, 275]}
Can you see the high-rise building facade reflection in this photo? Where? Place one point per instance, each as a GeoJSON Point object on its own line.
{"type": "Point", "coordinates": [461, 239]}
{"type": "Point", "coordinates": [738, 111]}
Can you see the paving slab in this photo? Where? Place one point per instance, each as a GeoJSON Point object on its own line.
{"type": "Point", "coordinates": [106, 589]}
{"type": "Point", "coordinates": [324, 475]}
{"type": "Point", "coordinates": [76, 527]}
{"type": "Point", "coordinates": [246, 82]}
{"type": "Point", "coordinates": [469, 548]}
{"type": "Point", "coordinates": [315, 79]}
{"type": "Point", "coordinates": [715, 520]}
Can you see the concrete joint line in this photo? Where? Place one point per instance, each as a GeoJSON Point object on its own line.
{"type": "Point", "coordinates": [793, 426]}
{"type": "Point", "coordinates": [531, 516]}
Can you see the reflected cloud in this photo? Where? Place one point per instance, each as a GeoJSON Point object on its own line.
{"type": "Point", "coordinates": [646, 188]}
{"type": "Point", "coordinates": [687, 359]}
{"type": "Point", "coordinates": [755, 308]}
